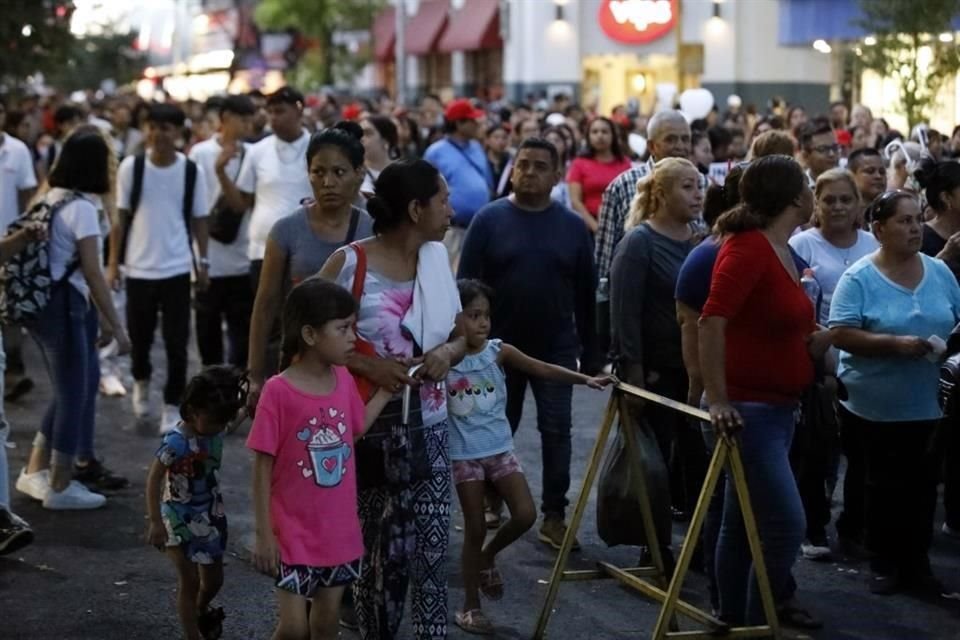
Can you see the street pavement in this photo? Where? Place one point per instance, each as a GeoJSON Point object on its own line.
{"type": "Point", "coordinates": [89, 575]}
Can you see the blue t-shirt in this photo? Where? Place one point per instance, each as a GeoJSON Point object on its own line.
{"type": "Point", "coordinates": [477, 406]}
{"type": "Point", "coordinates": [696, 273]}
{"type": "Point", "coordinates": [468, 176]}
{"type": "Point", "coordinates": [891, 388]}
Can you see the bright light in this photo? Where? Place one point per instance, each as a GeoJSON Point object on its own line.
{"type": "Point", "coordinates": [639, 83]}
{"type": "Point", "coordinates": [870, 41]}
{"type": "Point", "coordinates": [27, 31]}
{"type": "Point", "coordinates": [822, 46]}
{"type": "Point", "coordinates": [946, 37]}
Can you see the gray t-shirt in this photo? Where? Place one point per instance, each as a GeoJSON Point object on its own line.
{"type": "Point", "coordinates": [306, 252]}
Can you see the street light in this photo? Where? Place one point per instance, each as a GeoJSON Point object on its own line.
{"type": "Point", "coordinates": [822, 46]}
{"type": "Point", "coordinates": [946, 37]}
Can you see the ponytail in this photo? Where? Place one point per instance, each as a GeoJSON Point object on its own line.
{"type": "Point", "coordinates": [739, 219]}
{"type": "Point", "coordinates": [645, 203]}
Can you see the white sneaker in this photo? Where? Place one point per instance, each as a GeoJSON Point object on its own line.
{"type": "Point", "coordinates": [75, 496]}
{"type": "Point", "coordinates": [170, 418]}
{"type": "Point", "coordinates": [141, 399]}
{"type": "Point", "coordinates": [36, 485]}
{"type": "Point", "coordinates": [814, 551]}
{"type": "Point", "coordinates": [111, 386]}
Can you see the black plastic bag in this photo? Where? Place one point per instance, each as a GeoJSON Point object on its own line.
{"type": "Point", "coordinates": [619, 520]}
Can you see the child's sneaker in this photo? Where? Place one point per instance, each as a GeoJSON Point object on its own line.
{"type": "Point", "coordinates": [141, 399]}
{"type": "Point", "coordinates": [36, 485]}
{"type": "Point", "coordinates": [169, 419]}
{"type": "Point", "coordinates": [552, 532]}
{"type": "Point", "coordinates": [15, 533]}
{"type": "Point", "coordinates": [74, 497]}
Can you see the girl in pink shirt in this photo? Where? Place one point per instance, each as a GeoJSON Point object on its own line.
{"type": "Point", "coordinates": [305, 489]}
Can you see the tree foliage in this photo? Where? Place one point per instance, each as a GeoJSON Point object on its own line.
{"type": "Point", "coordinates": [97, 57]}
{"type": "Point", "coordinates": [34, 37]}
{"type": "Point", "coordinates": [318, 20]}
{"type": "Point", "coordinates": [908, 49]}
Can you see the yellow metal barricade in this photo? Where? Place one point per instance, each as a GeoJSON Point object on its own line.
{"type": "Point", "coordinates": [651, 581]}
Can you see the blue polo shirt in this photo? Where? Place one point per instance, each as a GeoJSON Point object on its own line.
{"type": "Point", "coordinates": [468, 176]}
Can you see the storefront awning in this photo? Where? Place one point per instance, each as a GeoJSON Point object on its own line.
{"type": "Point", "coordinates": [804, 21]}
{"type": "Point", "coordinates": [474, 26]}
{"type": "Point", "coordinates": [424, 28]}
{"type": "Point", "coordinates": [384, 34]}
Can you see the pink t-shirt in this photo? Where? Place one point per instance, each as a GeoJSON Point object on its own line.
{"type": "Point", "coordinates": [313, 491]}
{"type": "Point", "coordinates": [593, 177]}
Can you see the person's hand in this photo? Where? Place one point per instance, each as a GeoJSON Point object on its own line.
{"type": "Point", "coordinates": [436, 365]}
{"type": "Point", "coordinates": [226, 155]}
{"type": "Point", "coordinates": [203, 279]}
{"type": "Point", "coordinates": [123, 343]}
{"type": "Point", "coordinates": [35, 231]}
{"type": "Point", "coordinates": [112, 276]}
{"type": "Point", "coordinates": [253, 394]}
{"type": "Point", "coordinates": [951, 250]}
{"type": "Point", "coordinates": [106, 336]}
{"type": "Point", "coordinates": [913, 347]}
{"type": "Point", "coordinates": [266, 555]}
{"type": "Point", "coordinates": [725, 419]}
{"type": "Point", "coordinates": [818, 343]}
{"type": "Point", "coordinates": [390, 374]}
{"type": "Point", "coordinates": [157, 535]}
{"type": "Point", "coordinates": [599, 382]}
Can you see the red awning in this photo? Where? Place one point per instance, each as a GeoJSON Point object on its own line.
{"type": "Point", "coordinates": [384, 34]}
{"type": "Point", "coordinates": [423, 29]}
{"type": "Point", "coordinates": [475, 26]}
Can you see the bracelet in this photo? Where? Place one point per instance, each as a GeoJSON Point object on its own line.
{"type": "Point", "coordinates": [205, 262]}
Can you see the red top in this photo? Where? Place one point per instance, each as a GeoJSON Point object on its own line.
{"type": "Point", "coordinates": [593, 176]}
{"type": "Point", "coordinates": [769, 318]}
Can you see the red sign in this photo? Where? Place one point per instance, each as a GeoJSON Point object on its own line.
{"type": "Point", "coordinates": [637, 21]}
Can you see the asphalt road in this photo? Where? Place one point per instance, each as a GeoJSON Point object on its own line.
{"type": "Point", "coordinates": [89, 575]}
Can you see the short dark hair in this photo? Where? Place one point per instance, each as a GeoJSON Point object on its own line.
{"type": "Point", "coordinates": [856, 158]}
{"type": "Point", "coordinates": [217, 392]}
{"type": "Point", "coordinates": [286, 95]}
{"type": "Point", "coordinates": [345, 136]}
{"type": "Point", "coordinates": [238, 104]}
{"type": "Point", "coordinates": [811, 128]}
{"type": "Point", "coordinates": [388, 131]}
{"type": "Point", "coordinates": [720, 198]}
{"type": "Point", "coordinates": [719, 136]}
{"type": "Point", "coordinates": [399, 184]}
{"type": "Point", "coordinates": [66, 113]}
{"type": "Point", "coordinates": [164, 113]}
{"type": "Point", "coordinates": [543, 145]}
{"type": "Point", "coordinates": [470, 290]}
{"type": "Point", "coordinates": [83, 162]}
{"type": "Point", "coordinates": [314, 302]}
{"type": "Point", "coordinates": [213, 103]}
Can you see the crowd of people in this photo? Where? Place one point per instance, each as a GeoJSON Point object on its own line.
{"type": "Point", "coordinates": [376, 287]}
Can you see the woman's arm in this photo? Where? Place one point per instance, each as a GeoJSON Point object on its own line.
{"type": "Point", "coordinates": [576, 201]}
{"type": "Point", "coordinates": [688, 319]}
{"type": "Point", "coordinates": [156, 532]}
{"type": "Point", "coordinates": [266, 556]}
{"type": "Point", "coordinates": [437, 361]}
{"type": "Point", "coordinates": [516, 359]}
{"type": "Point", "coordinates": [265, 307]}
{"type": "Point", "coordinates": [713, 359]}
{"type": "Point", "coordinates": [89, 253]}
{"type": "Point", "coordinates": [878, 345]}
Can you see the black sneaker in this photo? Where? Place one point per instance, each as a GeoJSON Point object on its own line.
{"type": "Point", "coordinates": [15, 533]}
{"type": "Point", "coordinates": [97, 477]}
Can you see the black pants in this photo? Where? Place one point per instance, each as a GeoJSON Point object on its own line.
{"type": "Point", "coordinates": [814, 439]}
{"type": "Point", "coordinates": [228, 299]}
{"type": "Point", "coordinates": [852, 520]}
{"type": "Point", "coordinates": [901, 494]}
{"type": "Point", "coordinates": [170, 298]}
{"type": "Point", "coordinates": [12, 346]}
{"type": "Point", "coordinates": [951, 472]}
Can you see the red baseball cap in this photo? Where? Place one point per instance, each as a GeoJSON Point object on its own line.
{"type": "Point", "coordinates": [462, 109]}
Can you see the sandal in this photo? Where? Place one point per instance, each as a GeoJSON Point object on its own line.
{"type": "Point", "coordinates": [491, 583]}
{"type": "Point", "coordinates": [474, 621]}
{"type": "Point", "coordinates": [210, 623]}
{"type": "Point", "coordinates": [798, 618]}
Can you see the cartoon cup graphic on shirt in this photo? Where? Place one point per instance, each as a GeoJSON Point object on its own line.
{"type": "Point", "coordinates": [328, 455]}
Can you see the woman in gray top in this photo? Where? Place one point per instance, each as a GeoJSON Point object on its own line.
{"type": "Point", "coordinates": [645, 331]}
{"type": "Point", "coordinates": [299, 245]}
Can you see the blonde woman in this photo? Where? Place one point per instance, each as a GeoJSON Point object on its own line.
{"type": "Point", "coordinates": [645, 332]}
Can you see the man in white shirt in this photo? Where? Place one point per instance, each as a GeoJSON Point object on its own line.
{"type": "Point", "coordinates": [273, 177]}
{"type": "Point", "coordinates": [17, 185]}
{"type": "Point", "coordinates": [153, 242]}
{"type": "Point", "coordinates": [229, 297]}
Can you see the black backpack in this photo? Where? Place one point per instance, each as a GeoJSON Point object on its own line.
{"type": "Point", "coordinates": [139, 166]}
{"type": "Point", "coordinates": [947, 393]}
{"type": "Point", "coordinates": [27, 281]}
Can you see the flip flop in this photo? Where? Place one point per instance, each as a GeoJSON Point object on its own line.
{"type": "Point", "coordinates": [474, 621]}
{"type": "Point", "coordinates": [491, 583]}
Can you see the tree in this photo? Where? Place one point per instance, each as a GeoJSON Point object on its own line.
{"type": "Point", "coordinates": [34, 37]}
{"type": "Point", "coordinates": [909, 50]}
{"type": "Point", "coordinates": [317, 21]}
{"type": "Point", "coordinates": [106, 54]}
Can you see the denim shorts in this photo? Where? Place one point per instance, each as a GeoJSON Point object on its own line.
{"type": "Point", "coordinates": [491, 468]}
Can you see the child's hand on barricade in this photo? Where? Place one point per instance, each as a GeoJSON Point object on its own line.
{"type": "Point", "coordinates": [599, 382]}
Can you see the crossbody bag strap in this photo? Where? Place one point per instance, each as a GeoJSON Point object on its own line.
{"type": "Point", "coordinates": [463, 152]}
{"type": "Point", "coordinates": [360, 273]}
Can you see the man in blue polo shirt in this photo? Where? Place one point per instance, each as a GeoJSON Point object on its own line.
{"type": "Point", "coordinates": [463, 164]}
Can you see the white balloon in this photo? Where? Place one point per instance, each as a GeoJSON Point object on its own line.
{"type": "Point", "coordinates": [637, 143]}
{"type": "Point", "coordinates": [696, 103]}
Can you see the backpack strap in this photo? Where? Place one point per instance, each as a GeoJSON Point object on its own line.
{"type": "Point", "coordinates": [139, 167]}
{"type": "Point", "coordinates": [189, 188]}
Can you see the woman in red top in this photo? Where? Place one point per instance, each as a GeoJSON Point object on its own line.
{"type": "Point", "coordinates": [590, 174]}
{"type": "Point", "coordinates": [757, 339]}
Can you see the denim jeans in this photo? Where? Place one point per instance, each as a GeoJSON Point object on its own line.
{"type": "Point", "coordinates": [66, 332]}
{"type": "Point", "coordinates": [764, 447]}
{"type": "Point", "coordinates": [554, 421]}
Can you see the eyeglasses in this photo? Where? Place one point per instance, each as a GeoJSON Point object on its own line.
{"type": "Point", "coordinates": [826, 148]}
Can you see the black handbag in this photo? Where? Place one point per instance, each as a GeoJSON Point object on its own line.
{"type": "Point", "coordinates": [223, 224]}
{"type": "Point", "coordinates": [389, 439]}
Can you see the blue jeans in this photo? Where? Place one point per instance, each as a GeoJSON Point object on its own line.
{"type": "Point", "coordinates": [764, 447]}
{"type": "Point", "coordinates": [554, 421]}
{"type": "Point", "coordinates": [66, 332]}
